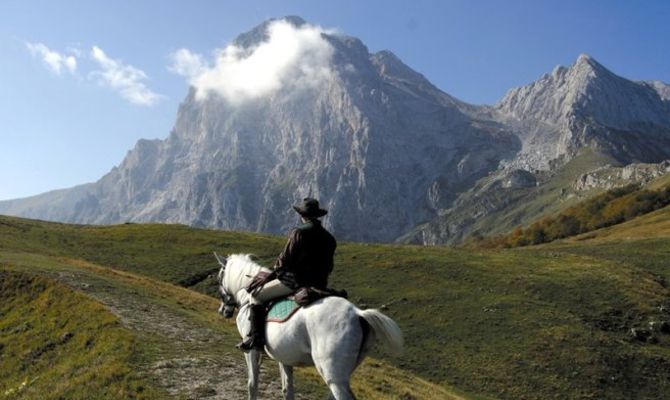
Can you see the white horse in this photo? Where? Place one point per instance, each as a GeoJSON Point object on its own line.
{"type": "Point", "coordinates": [331, 333]}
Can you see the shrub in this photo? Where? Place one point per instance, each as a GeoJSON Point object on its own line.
{"type": "Point", "coordinates": [610, 208]}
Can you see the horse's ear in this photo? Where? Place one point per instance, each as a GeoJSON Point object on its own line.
{"type": "Point", "coordinates": [221, 260]}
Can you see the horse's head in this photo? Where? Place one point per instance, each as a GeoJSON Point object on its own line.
{"type": "Point", "coordinates": [228, 302]}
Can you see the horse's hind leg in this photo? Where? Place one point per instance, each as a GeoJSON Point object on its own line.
{"type": "Point", "coordinates": [286, 381]}
{"type": "Point", "coordinates": [341, 391]}
{"type": "Point", "coordinates": [336, 371]}
{"type": "Point", "coordinates": [336, 358]}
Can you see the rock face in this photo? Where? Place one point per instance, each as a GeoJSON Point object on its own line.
{"type": "Point", "coordinates": [378, 144]}
{"type": "Point", "coordinates": [663, 89]}
{"type": "Point", "coordinates": [608, 177]}
{"type": "Point", "coordinates": [586, 105]}
{"type": "Point", "coordinates": [381, 147]}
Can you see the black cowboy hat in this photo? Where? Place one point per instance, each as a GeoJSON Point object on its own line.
{"type": "Point", "coordinates": [310, 208]}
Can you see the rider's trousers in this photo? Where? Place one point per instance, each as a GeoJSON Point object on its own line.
{"type": "Point", "coordinates": [271, 290]}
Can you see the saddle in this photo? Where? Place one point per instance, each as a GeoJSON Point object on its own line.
{"type": "Point", "coordinates": [307, 295]}
{"type": "Point", "coordinates": [282, 309]}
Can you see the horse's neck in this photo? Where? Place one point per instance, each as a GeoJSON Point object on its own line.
{"type": "Point", "coordinates": [244, 276]}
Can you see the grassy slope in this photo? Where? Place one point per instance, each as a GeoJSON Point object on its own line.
{"type": "Point", "coordinates": [539, 323]}
{"type": "Point", "coordinates": [208, 345]}
{"type": "Point", "coordinates": [48, 351]}
{"type": "Point", "coordinates": [643, 242]}
{"type": "Point", "coordinates": [520, 206]}
{"type": "Point", "coordinates": [165, 252]}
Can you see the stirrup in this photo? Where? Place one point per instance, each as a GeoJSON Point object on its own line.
{"type": "Point", "coordinates": [248, 345]}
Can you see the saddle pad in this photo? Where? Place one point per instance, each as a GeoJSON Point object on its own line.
{"type": "Point", "coordinates": [282, 310]}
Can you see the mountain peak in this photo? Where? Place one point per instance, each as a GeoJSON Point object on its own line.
{"type": "Point", "coordinates": [585, 58]}
{"type": "Point", "coordinates": [390, 65]}
{"type": "Point", "coordinates": [259, 33]}
{"type": "Point", "coordinates": [588, 64]}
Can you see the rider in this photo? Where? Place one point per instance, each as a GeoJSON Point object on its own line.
{"type": "Point", "coordinates": [306, 261]}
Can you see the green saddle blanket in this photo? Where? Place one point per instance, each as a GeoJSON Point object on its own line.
{"type": "Point", "coordinates": [282, 310]}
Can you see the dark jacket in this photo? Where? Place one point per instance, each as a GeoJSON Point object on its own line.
{"type": "Point", "coordinates": [307, 259]}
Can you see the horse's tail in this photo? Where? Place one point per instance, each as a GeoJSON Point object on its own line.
{"type": "Point", "coordinates": [385, 329]}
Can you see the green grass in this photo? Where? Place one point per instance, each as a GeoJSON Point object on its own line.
{"type": "Point", "coordinates": [173, 253]}
{"type": "Point", "coordinates": [508, 324]}
{"type": "Point", "coordinates": [144, 295]}
{"type": "Point", "coordinates": [535, 323]}
{"type": "Point", "coordinates": [643, 243]}
{"type": "Point", "coordinates": [48, 351]}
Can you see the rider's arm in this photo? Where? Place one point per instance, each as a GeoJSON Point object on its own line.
{"type": "Point", "coordinates": [286, 258]}
{"type": "Point", "coordinates": [285, 265]}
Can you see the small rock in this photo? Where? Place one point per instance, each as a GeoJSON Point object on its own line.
{"type": "Point", "coordinates": [66, 336]}
{"type": "Point", "coordinates": [640, 334]}
{"type": "Point", "coordinates": [205, 391]}
{"type": "Point", "coordinates": [518, 178]}
{"type": "Point", "coordinates": [659, 326]}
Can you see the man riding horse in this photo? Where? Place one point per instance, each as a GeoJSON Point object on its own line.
{"type": "Point", "coordinates": [306, 261]}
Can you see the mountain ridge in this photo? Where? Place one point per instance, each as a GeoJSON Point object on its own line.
{"type": "Point", "coordinates": [373, 139]}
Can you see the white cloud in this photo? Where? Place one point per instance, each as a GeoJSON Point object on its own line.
{"type": "Point", "coordinates": [122, 78]}
{"type": "Point", "coordinates": [290, 57]}
{"type": "Point", "coordinates": [55, 61]}
{"type": "Point", "coordinates": [186, 63]}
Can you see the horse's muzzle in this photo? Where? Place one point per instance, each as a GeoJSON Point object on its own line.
{"type": "Point", "coordinates": [227, 312]}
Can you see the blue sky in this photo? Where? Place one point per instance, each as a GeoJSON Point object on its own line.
{"type": "Point", "coordinates": [66, 122]}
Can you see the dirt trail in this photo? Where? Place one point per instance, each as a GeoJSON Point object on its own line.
{"type": "Point", "coordinates": [187, 356]}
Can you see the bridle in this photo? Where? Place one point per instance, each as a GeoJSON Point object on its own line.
{"type": "Point", "coordinates": [228, 302]}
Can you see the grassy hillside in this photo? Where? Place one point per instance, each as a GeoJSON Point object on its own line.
{"type": "Point", "coordinates": [643, 242]}
{"type": "Point", "coordinates": [554, 193]}
{"type": "Point", "coordinates": [542, 322]}
{"type": "Point", "coordinates": [48, 351]}
{"type": "Point", "coordinates": [489, 209]}
{"type": "Point", "coordinates": [173, 253]}
{"type": "Point", "coordinates": [183, 346]}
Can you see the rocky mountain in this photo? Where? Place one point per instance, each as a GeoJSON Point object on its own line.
{"type": "Point", "coordinates": [388, 153]}
{"type": "Point", "coordinates": [582, 109]}
{"type": "Point", "coordinates": [587, 105]}
{"type": "Point", "coordinates": [663, 89]}
{"type": "Point", "coordinates": [377, 143]}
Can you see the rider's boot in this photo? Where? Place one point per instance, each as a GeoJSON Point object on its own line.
{"type": "Point", "coordinates": [256, 337]}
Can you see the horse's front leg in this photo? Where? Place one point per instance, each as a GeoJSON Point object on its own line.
{"type": "Point", "coordinates": [286, 372]}
{"type": "Point", "coordinates": [253, 358]}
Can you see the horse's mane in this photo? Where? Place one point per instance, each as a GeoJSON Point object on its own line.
{"type": "Point", "coordinates": [240, 269]}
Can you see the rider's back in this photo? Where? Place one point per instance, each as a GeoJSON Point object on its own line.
{"type": "Point", "coordinates": [311, 259]}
